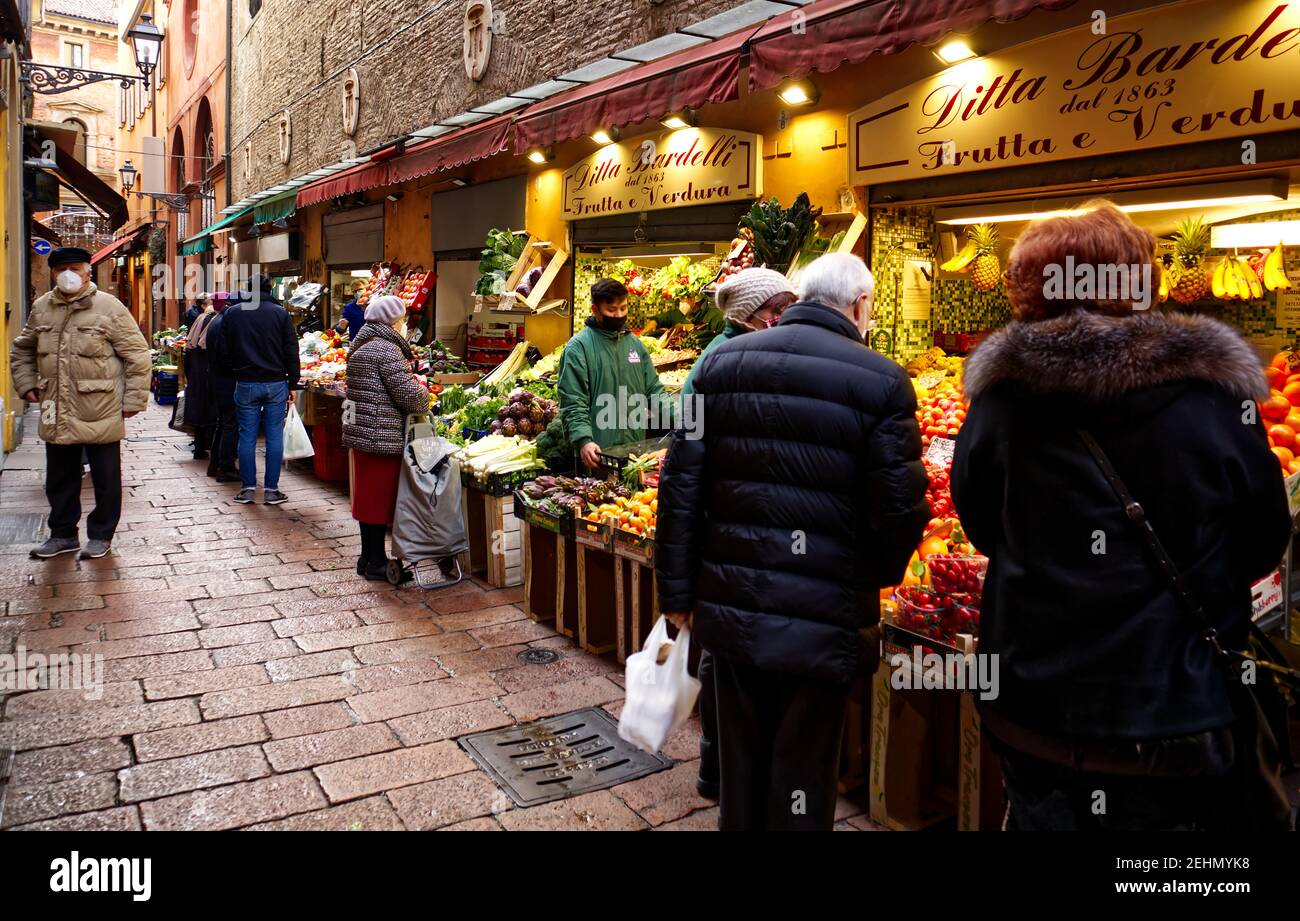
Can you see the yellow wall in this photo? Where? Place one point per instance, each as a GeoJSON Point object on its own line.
{"type": "Point", "coordinates": [16, 245]}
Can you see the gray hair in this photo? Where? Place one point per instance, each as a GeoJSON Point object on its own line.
{"type": "Point", "coordinates": [836, 280]}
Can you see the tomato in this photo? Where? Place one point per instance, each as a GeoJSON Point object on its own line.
{"type": "Point", "coordinates": [1292, 392]}
{"type": "Point", "coordinates": [1284, 456]}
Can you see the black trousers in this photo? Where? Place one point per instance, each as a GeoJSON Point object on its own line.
{"type": "Point", "coordinates": [779, 746]}
{"type": "Point", "coordinates": [225, 439]}
{"type": "Point", "coordinates": [1048, 797]}
{"type": "Point", "coordinates": [709, 768]}
{"type": "Point", "coordinates": [63, 488]}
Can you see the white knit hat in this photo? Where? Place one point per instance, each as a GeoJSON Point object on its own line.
{"type": "Point", "coordinates": [385, 310]}
{"type": "Point", "coordinates": [748, 290]}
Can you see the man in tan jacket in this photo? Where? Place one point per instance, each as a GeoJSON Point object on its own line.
{"type": "Point", "coordinates": [83, 359]}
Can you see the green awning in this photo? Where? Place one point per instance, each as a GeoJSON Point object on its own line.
{"type": "Point", "coordinates": [275, 208]}
{"type": "Point", "coordinates": [194, 247]}
{"type": "Point", "coordinates": [222, 224]}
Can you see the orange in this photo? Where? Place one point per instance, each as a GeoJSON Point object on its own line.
{"type": "Point", "coordinates": [1281, 436]}
{"type": "Point", "coordinates": [1292, 392]}
{"type": "Point", "coordinates": [1284, 456]}
{"type": "Point", "coordinates": [1275, 408]}
{"type": "Point", "coordinates": [1281, 362]}
{"type": "Point", "coordinates": [1275, 377]}
{"type": "Point", "coordinates": [1292, 420]}
{"type": "Point", "coordinates": [932, 545]}
{"type": "Point", "coordinates": [1293, 467]}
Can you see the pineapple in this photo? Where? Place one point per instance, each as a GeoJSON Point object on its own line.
{"type": "Point", "coordinates": [1190, 282]}
{"type": "Point", "coordinates": [986, 270]}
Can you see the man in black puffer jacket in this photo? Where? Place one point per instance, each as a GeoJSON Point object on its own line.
{"type": "Point", "coordinates": [777, 528]}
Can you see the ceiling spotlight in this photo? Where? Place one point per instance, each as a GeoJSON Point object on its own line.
{"type": "Point", "coordinates": [459, 181]}
{"type": "Point", "coordinates": [954, 51]}
{"type": "Point", "coordinates": [541, 154]}
{"type": "Point", "coordinates": [605, 136]}
{"type": "Point", "coordinates": [799, 93]}
{"type": "Point", "coordinates": [676, 120]}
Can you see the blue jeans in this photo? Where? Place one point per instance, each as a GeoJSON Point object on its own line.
{"type": "Point", "coordinates": [261, 405]}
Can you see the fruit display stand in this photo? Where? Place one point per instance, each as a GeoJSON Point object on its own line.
{"type": "Point", "coordinates": [537, 254]}
{"type": "Point", "coordinates": [320, 407]}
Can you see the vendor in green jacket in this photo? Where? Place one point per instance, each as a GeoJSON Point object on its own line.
{"type": "Point", "coordinates": [752, 299]}
{"type": "Point", "coordinates": [609, 389]}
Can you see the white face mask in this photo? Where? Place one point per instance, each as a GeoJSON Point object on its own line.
{"type": "Point", "coordinates": [69, 282]}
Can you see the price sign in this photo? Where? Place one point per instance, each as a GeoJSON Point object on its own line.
{"type": "Point", "coordinates": [1265, 595]}
{"type": "Point", "coordinates": [940, 451]}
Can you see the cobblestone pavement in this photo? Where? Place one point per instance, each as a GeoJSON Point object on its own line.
{"type": "Point", "coordinates": [252, 679]}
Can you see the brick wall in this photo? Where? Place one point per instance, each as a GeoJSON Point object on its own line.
{"type": "Point", "coordinates": [408, 53]}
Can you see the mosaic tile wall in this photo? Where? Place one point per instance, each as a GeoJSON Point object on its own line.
{"type": "Point", "coordinates": [955, 305]}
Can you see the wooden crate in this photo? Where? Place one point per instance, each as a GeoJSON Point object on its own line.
{"type": "Point", "coordinates": [637, 602]}
{"type": "Point", "coordinates": [597, 604]}
{"type": "Point", "coordinates": [505, 567]}
{"type": "Point", "coordinates": [566, 587]}
{"type": "Point", "coordinates": [540, 572]}
{"type": "Point", "coordinates": [319, 408]}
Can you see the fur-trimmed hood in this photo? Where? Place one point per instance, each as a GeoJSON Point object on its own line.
{"type": "Point", "coordinates": [1099, 357]}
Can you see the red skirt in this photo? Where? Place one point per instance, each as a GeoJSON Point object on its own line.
{"type": "Point", "coordinates": [374, 486]}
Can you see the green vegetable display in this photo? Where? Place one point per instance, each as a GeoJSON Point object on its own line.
{"type": "Point", "coordinates": [779, 232]}
{"type": "Point", "coordinates": [501, 252]}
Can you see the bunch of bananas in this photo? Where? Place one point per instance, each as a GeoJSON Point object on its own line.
{"type": "Point", "coordinates": [1235, 280]}
{"type": "Point", "coordinates": [1270, 270]}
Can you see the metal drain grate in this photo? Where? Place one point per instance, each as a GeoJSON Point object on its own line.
{"type": "Point", "coordinates": [560, 756]}
{"type": "Point", "coordinates": [21, 527]}
{"type": "Point", "coordinates": [538, 656]}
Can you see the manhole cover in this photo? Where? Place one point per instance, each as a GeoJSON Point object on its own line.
{"type": "Point", "coordinates": [560, 756]}
{"type": "Point", "coordinates": [538, 656]}
{"type": "Point", "coordinates": [21, 527]}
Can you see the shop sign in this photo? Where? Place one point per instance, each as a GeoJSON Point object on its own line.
{"type": "Point", "coordinates": [1266, 594]}
{"type": "Point", "coordinates": [690, 166]}
{"type": "Point", "coordinates": [1178, 74]}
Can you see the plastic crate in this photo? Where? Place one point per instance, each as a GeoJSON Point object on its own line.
{"type": "Point", "coordinates": [331, 460]}
{"type": "Point", "coordinates": [526, 512]}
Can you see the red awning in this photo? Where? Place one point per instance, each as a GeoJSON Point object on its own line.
{"type": "Point", "coordinates": [485, 139]}
{"type": "Point", "coordinates": [447, 152]}
{"type": "Point", "coordinates": [118, 245]}
{"type": "Point", "coordinates": [839, 32]}
{"type": "Point", "coordinates": [688, 79]}
{"type": "Point", "coordinates": [357, 179]}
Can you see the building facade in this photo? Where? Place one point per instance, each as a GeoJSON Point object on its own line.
{"type": "Point", "coordinates": [80, 34]}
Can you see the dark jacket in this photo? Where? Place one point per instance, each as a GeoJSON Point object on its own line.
{"type": "Point", "coordinates": [355, 314]}
{"type": "Point", "coordinates": [200, 405]}
{"type": "Point", "coordinates": [256, 343]}
{"type": "Point", "coordinates": [1094, 644]}
{"type": "Point", "coordinates": [596, 364]}
{"type": "Point", "coordinates": [803, 497]}
{"type": "Point", "coordinates": [221, 386]}
{"type": "Point", "coordinates": [382, 390]}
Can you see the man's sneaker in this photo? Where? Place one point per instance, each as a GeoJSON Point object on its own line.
{"type": "Point", "coordinates": [246, 496]}
{"type": "Point", "coordinates": [95, 549]}
{"type": "Point", "coordinates": [274, 497]}
{"type": "Point", "coordinates": [56, 546]}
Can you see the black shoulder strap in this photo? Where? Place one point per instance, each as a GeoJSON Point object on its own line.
{"type": "Point", "coordinates": [1137, 515]}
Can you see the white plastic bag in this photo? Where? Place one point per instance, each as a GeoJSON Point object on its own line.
{"type": "Point", "coordinates": [659, 697]}
{"type": "Point", "coordinates": [297, 446]}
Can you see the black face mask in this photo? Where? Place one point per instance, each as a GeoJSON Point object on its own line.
{"type": "Point", "coordinates": [613, 324]}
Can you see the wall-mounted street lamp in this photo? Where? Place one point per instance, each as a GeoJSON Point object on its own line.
{"type": "Point", "coordinates": [146, 41]}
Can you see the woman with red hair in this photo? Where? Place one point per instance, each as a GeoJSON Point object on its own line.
{"type": "Point", "coordinates": [1112, 708]}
